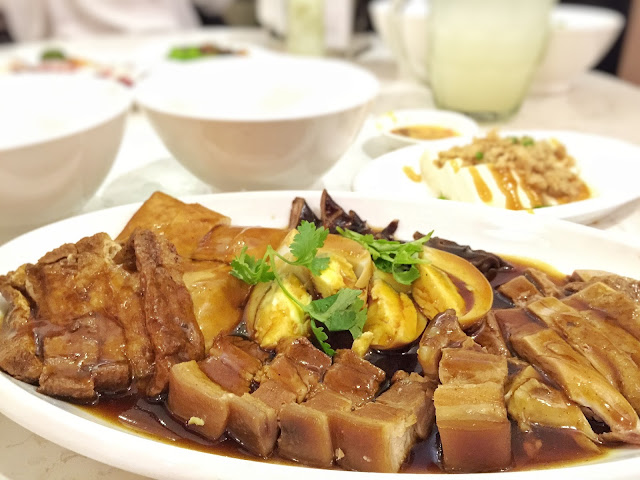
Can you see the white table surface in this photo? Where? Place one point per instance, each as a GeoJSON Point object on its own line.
{"type": "Point", "coordinates": [597, 103]}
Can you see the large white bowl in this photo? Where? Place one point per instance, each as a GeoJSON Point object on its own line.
{"type": "Point", "coordinates": [258, 123]}
{"type": "Point", "coordinates": [580, 37]}
{"type": "Point", "coordinates": [59, 137]}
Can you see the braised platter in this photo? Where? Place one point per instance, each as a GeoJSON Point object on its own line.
{"type": "Point", "coordinates": [562, 245]}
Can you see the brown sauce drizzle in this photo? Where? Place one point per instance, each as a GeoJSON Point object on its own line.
{"type": "Point", "coordinates": [508, 186]}
{"type": "Point", "coordinates": [412, 174]}
{"type": "Point", "coordinates": [425, 132]}
{"type": "Point", "coordinates": [484, 192]}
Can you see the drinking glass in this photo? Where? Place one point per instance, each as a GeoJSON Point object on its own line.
{"type": "Point", "coordinates": [483, 53]}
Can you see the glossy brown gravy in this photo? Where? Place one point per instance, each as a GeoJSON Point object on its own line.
{"type": "Point", "coordinates": [425, 132]}
{"type": "Point", "coordinates": [153, 420]}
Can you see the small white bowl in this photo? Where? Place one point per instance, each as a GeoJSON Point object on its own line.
{"type": "Point", "coordinates": [386, 123]}
{"type": "Point", "coordinates": [580, 37]}
{"type": "Point", "coordinates": [59, 138]}
{"type": "Point", "coordinates": [258, 123]}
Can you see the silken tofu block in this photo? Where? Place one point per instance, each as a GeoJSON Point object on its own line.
{"type": "Point", "coordinates": [193, 395]}
{"type": "Point", "coordinates": [474, 430]}
{"type": "Point", "coordinates": [373, 438]}
{"type": "Point", "coordinates": [305, 434]}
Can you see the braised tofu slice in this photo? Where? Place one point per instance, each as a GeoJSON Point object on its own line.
{"type": "Point", "coordinates": [192, 395]}
{"type": "Point", "coordinates": [473, 426]}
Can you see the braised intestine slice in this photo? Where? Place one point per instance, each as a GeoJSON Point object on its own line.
{"type": "Point", "coordinates": [546, 350]}
{"type": "Point", "coordinates": [532, 403]}
{"type": "Point", "coordinates": [582, 332]}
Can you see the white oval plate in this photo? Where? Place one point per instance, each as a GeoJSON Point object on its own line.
{"type": "Point", "coordinates": [387, 122]}
{"type": "Point", "coordinates": [610, 166]}
{"type": "Point", "coordinates": [564, 245]}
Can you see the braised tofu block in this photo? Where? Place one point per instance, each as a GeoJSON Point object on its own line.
{"type": "Point", "coordinates": [202, 404]}
{"type": "Point", "coordinates": [602, 351]}
{"type": "Point", "coordinates": [253, 424]}
{"type": "Point", "coordinates": [533, 403]}
{"type": "Point", "coordinates": [225, 242]}
{"type": "Point", "coordinates": [305, 433]}
{"type": "Point", "coordinates": [353, 377]}
{"type": "Point", "coordinates": [18, 355]}
{"type": "Point", "coordinates": [413, 394]}
{"type": "Point", "coordinates": [182, 224]}
{"type": "Point", "coordinates": [373, 438]}
{"type": "Point", "coordinates": [461, 366]}
{"type": "Point", "coordinates": [218, 297]}
{"type": "Point", "coordinates": [473, 426]}
{"type": "Point", "coordinates": [233, 363]}
{"type": "Point", "coordinates": [549, 352]}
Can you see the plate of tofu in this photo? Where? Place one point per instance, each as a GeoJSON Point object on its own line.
{"type": "Point", "coordinates": [546, 377]}
{"type": "Point", "coordinates": [561, 174]}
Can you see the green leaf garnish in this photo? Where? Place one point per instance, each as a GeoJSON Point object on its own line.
{"type": "Point", "coordinates": [53, 54]}
{"type": "Point", "coordinates": [442, 197]}
{"type": "Point", "coordinates": [392, 256]}
{"type": "Point", "coordinates": [343, 311]}
{"type": "Point", "coordinates": [527, 141]}
{"type": "Point", "coordinates": [479, 155]}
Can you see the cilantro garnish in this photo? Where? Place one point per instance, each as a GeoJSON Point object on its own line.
{"type": "Point", "coordinates": [342, 311]}
{"type": "Point", "coordinates": [392, 256]}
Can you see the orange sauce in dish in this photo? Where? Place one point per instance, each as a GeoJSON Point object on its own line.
{"type": "Point", "coordinates": [508, 186]}
{"type": "Point", "coordinates": [425, 132]}
{"type": "Point", "coordinates": [484, 192]}
{"type": "Point", "coordinates": [412, 174]}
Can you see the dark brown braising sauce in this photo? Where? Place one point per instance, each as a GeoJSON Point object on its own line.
{"type": "Point", "coordinates": [153, 420]}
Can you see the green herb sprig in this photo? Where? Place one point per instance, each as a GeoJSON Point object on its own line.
{"type": "Point", "coordinates": [392, 256]}
{"type": "Point", "coordinates": [343, 311]}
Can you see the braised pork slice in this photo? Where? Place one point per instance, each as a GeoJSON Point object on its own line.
{"type": "Point", "coordinates": [548, 351]}
{"type": "Point", "coordinates": [100, 317]}
{"type": "Point", "coordinates": [583, 278]}
{"type": "Point", "coordinates": [602, 351]}
{"type": "Point", "coordinates": [470, 410]}
{"type": "Point", "coordinates": [520, 290]}
{"type": "Point", "coordinates": [307, 428]}
{"type": "Point", "coordinates": [489, 336]}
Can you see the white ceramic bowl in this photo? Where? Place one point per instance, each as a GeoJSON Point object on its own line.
{"type": "Point", "coordinates": [580, 37]}
{"type": "Point", "coordinates": [59, 137]}
{"type": "Point", "coordinates": [258, 123]}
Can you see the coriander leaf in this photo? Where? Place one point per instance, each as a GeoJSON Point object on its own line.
{"type": "Point", "coordinates": [250, 270]}
{"type": "Point", "coordinates": [325, 308]}
{"type": "Point", "coordinates": [392, 256]}
{"type": "Point", "coordinates": [318, 265]}
{"type": "Point", "coordinates": [322, 338]}
{"type": "Point", "coordinates": [361, 318]}
{"type": "Point", "coordinates": [306, 242]}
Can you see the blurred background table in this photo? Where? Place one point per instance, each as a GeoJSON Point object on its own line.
{"type": "Point", "coordinates": [598, 104]}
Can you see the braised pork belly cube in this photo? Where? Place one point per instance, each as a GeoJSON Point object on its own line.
{"type": "Point", "coordinates": [297, 367]}
{"type": "Point", "coordinates": [305, 434]}
{"type": "Point", "coordinates": [233, 362]}
{"type": "Point", "coordinates": [349, 381]}
{"type": "Point", "coordinates": [202, 404]}
{"type": "Point", "coordinates": [353, 377]}
{"type": "Point", "coordinates": [459, 366]}
{"type": "Point", "coordinates": [489, 336]}
{"type": "Point", "coordinates": [473, 426]}
{"type": "Point", "coordinates": [442, 332]}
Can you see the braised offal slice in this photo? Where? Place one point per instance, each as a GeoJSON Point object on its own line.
{"type": "Point", "coordinates": [101, 316]}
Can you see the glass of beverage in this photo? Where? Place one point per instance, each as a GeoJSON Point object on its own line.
{"type": "Point", "coordinates": [483, 53]}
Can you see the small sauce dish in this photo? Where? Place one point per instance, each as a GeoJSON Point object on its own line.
{"type": "Point", "coordinates": [421, 126]}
